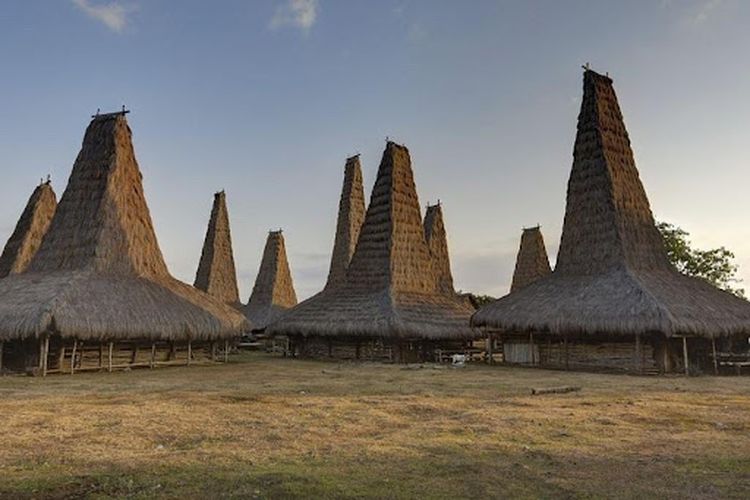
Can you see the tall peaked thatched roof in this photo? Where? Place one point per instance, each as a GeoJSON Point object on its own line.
{"type": "Point", "coordinates": [532, 262]}
{"type": "Point", "coordinates": [99, 272]}
{"type": "Point", "coordinates": [216, 272]}
{"type": "Point", "coordinates": [349, 222]}
{"type": "Point", "coordinates": [31, 228]}
{"type": "Point", "coordinates": [612, 274]}
{"type": "Point", "coordinates": [391, 287]}
{"type": "Point", "coordinates": [273, 292]}
{"type": "Point", "coordinates": [437, 241]}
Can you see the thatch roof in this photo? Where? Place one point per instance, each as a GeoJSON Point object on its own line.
{"type": "Point", "coordinates": [532, 262]}
{"type": "Point", "coordinates": [612, 274]}
{"type": "Point", "coordinates": [216, 272]}
{"type": "Point", "coordinates": [437, 241]}
{"type": "Point", "coordinates": [31, 228]}
{"type": "Point", "coordinates": [350, 219]}
{"type": "Point", "coordinates": [391, 287]}
{"type": "Point", "coordinates": [273, 293]}
{"type": "Point", "coordinates": [99, 272]}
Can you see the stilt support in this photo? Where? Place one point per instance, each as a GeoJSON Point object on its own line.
{"type": "Point", "coordinates": [226, 351]}
{"type": "Point", "coordinates": [152, 361]}
{"type": "Point", "coordinates": [685, 355]}
{"type": "Point", "coordinates": [110, 348]}
{"type": "Point", "coordinates": [716, 361]}
{"type": "Point", "coordinates": [189, 352]}
{"type": "Point", "coordinates": [73, 357]}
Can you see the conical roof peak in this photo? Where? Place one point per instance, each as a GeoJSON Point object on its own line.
{"type": "Point", "coordinates": [216, 274]}
{"type": "Point", "coordinates": [608, 219]}
{"type": "Point", "coordinates": [27, 237]}
{"type": "Point", "coordinates": [273, 292]}
{"type": "Point", "coordinates": [532, 262]}
{"type": "Point", "coordinates": [437, 242]}
{"type": "Point", "coordinates": [351, 215]}
{"type": "Point", "coordinates": [103, 223]}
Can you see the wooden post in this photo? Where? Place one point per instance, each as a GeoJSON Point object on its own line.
{"type": "Point", "coordinates": [713, 347]}
{"type": "Point", "coordinates": [638, 352]}
{"type": "Point", "coordinates": [2, 346]}
{"type": "Point", "coordinates": [685, 355]}
{"type": "Point", "coordinates": [101, 355]}
{"type": "Point", "coordinates": [109, 356]}
{"type": "Point", "coordinates": [44, 354]}
{"type": "Point", "coordinates": [190, 351]}
{"type": "Point", "coordinates": [490, 346]}
{"type": "Point", "coordinates": [213, 351]}
{"type": "Point", "coordinates": [73, 357]}
{"type": "Point", "coordinates": [172, 352]}
{"type": "Point", "coordinates": [531, 346]}
{"type": "Point", "coordinates": [226, 351]}
{"type": "Point", "coordinates": [135, 353]}
{"type": "Point", "coordinates": [152, 361]}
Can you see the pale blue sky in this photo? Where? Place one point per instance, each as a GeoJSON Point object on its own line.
{"type": "Point", "coordinates": [266, 99]}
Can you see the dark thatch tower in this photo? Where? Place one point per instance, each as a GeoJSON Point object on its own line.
{"type": "Point", "coordinates": [216, 272]}
{"type": "Point", "coordinates": [612, 281]}
{"type": "Point", "coordinates": [31, 228]}
{"type": "Point", "coordinates": [350, 219]}
{"type": "Point", "coordinates": [532, 262]}
{"type": "Point", "coordinates": [437, 241]}
{"type": "Point", "coordinates": [391, 298]}
{"type": "Point", "coordinates": [99, 275]}
{"type": "Point", "coordinates": [273, 293]}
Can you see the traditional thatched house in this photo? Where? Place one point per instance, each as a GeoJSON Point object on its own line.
{"type": "Point", "coordinates": [391, 304]}
{"type": "Point", "coordinates": [273, 293]}
{"type": "Point", "coordinates": [532, 262]}
{"type": "Point", "coordinates": [613, 300]}
{"type": "Point", "coordinates": [98, 294]}
{"type": "Point", "coordinates": [31, 228]}
{"type": "Point", "coordinates": [350, 219]}
{"type": "Point", "coordinates": [216, 272]}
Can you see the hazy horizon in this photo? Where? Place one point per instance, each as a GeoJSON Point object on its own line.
{"type": "Point", "coordinates": [267, 99]}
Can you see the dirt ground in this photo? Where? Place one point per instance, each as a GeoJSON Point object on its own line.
{"type": "Point", "coordinates": [267, 427]}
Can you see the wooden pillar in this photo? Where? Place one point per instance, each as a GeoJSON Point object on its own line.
{"type": "Point", "coordinates": [226, 351]}
{"type": "Point", "coordinates": [490, 345]}
{"type": "Point", "coordinates": [152, 361]}
{"type": "Point", "coordinates": [638, 353]}
{"type": "Point", "coordinates": [61, 358]}
{"type": "Point", "coordinates": [134, 356]}
{"type": "Point", "coordinates": [101, 355]}
{"type": "Point", "coordinates": [43, 351]}
{"type": "Point", "coordinates": [713, 347]}
{"type": "Point", "coordinates": [73, 357]}
{"type": "Point", "coordinates": [172, 352]}
{"type": "Point", "coordinates": [531, 346]}
{"type": "Point", "coordinates": [685, 355]}
{"type": "Point", "coordinates": [213, 351]}
{"type": "Point", "coordinates": [189, 351]}
{"type": "Point", "coordinates": [2, 346]}
{"type": "Point", "coordinates": [109, 356]}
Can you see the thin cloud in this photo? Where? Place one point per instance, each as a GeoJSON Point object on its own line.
{"type": "Point", "coordinates": [300, 14]}
{"type": "Point", "coordinates": [705, 10]}
{"type": "Point", "coordinates": [113, 15]}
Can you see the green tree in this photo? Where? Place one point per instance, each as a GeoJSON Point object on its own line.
{"type": "Point", "coordinates": [715, 266]}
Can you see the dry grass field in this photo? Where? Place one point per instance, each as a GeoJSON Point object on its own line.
{"type": "Point", "coordinates": [267, 427]}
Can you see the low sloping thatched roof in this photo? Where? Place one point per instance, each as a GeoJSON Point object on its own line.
{"type": "Point", "coordinates": [532, 262]}
{"type": "Point", "coordinates": [216, 272]}
{"type": "Point", "coordinates": [391, 288]}
{"type": "Point", "coordinates": [99, 273]}
{"type": "Point", "coordinates": [349, 222]}
{"type": "Point", "coordinates": [612, 274]}
{"type": "Point", "coordinates": [273, 293]}
{"type": "Point", "coordinates": [31, 228]}
{"type": "Point", "coordinates": [437, 241]}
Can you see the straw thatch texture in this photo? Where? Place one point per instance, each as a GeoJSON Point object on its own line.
{"type": "Point", "coordinates": [350, 219]}
{"type": "Point", "coordinates": [273, 293]}
{"type": "Point", "coordinates": [391, 288]}
{"type": "Point", "coordinates": [99, 272]}
{"type": "Point", "coordinates": [437, 241]}
{"type": "Point", "coordinates": [532, 262]}
{"type": "Point", "coordinates": [30, 230]}
{"type": "Point", "coordinates": [612, 274]}
{"type": "Point", "coordinates": [216, 272]}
